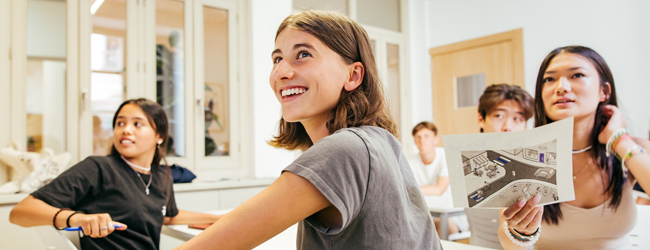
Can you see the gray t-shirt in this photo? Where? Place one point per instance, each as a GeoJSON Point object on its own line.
{"type": "Point", "coordinates": [364, 174]}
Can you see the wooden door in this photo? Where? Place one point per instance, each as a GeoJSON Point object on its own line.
{"type": "Point", "coordinates": [492, 59]}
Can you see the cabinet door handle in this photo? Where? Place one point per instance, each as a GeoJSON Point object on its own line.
{"type": "Point", "coordinates": [84, 97]}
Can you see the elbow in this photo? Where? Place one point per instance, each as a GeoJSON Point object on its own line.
{"type": "Point", "coordinates": [18, 216]}
{"type": "Point", "coordinates": [167, 220]}
{"type": "Point", "coordinates": [14, 216]}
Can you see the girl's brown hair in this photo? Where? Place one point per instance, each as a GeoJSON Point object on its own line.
{"type": "Point", "coordinates": [365, 105]}
{"type": "Point", "coordinates": [425, 125]}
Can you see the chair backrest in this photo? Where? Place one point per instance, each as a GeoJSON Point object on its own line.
{"type": "Point", "coordinates": [641, 233]}
{"type": "Point", "coordinates": [484, 225]}
{"type": "Point", "coordinates": [53, 239]}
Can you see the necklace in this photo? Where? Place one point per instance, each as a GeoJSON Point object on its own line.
{"type": "Point", "coordinates": [135, 166]}
{"type": "Point", "coordinates": [581, 150]}
{"type": "Point", "coordinates": [580, 171]}
{"type": "Point", "coordinates": [146, 186]}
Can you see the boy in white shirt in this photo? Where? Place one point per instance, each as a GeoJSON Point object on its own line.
{"type": "Point", "coordinates": [430, 170]}
{"type": "Point", "coordinates": [429, 166]}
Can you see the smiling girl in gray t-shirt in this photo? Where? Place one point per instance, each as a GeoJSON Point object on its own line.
{"type": "Point", "coordinates": [352, 188]}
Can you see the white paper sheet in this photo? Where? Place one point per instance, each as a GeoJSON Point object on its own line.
{"type": "Point", "coordinates": [493, 170]}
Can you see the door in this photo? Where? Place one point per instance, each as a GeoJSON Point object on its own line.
{"type": "Point", "coordinates": [217, 144]}
{"type": "Point", "coordinates": [462, 71]}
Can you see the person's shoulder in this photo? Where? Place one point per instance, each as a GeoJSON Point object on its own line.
{"type": "Point", "coordinates": [342, 140]}
{"type": "Point", "coordinates": [374, 133]}
{"type": "Point", "coordinates": [98, 161]}
{"type": "Point", "coordinates": [90, 165]}
{"type": "Point", "coordinates": [102, 159]}
{"type": "Point", "coordinates": [440, 151]}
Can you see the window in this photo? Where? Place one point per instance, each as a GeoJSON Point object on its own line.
{"type": "Point", "coordinates": [69, 64]}
{"type": "Point", "coordinates": [108, 65]}
{"type": "Point", "coordinates": [170, 71]}
{"type": "Point", "coordinates": [217, 123]}
{"type": "Point", "coordinates": [468, 90]}
{"type": "Point", "coordinates": [45, 78]}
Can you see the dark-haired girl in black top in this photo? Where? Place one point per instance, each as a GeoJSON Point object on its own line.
{"type": "Point", "coordinates": [119, 203]}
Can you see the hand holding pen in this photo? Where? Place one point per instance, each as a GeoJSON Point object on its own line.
{"type": "Point", "coordinates": [94, 225]}
{"type": "Point", "coordinates": [79, 228]}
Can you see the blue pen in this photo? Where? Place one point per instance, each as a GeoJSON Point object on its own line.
{"type": "Point", "coordinates": [79, 228]}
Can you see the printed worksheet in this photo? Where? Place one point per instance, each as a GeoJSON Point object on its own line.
{"type": "Point", "coordinates": [495, 170]}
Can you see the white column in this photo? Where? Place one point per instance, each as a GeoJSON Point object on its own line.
{"type": "Point", "coordinates": [269, 161]}
{"type": "Point", "coordinates": [54, 105]}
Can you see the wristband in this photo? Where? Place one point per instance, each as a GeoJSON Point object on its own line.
{"type": "Point", "coordinates": [522, 240]}
{"type": "Point", "coordinates": [54, 219]}
{"type": "Point", "coordinates": [525, 235]}
{"type": "Point", "coordinates": [67, 221]}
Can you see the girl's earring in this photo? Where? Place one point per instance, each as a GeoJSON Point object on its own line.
{"type": "Point", "coordinates": [160, 142]}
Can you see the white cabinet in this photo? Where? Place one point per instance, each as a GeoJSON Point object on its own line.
{"type": "Point", "coordinates": [195, 197]}
{"type": "Point", "coordinates": [231, 198]}
{"type": "Point", "coordinates": [16, 237]}
{"type": "Point", "coordinates": [206, 200]}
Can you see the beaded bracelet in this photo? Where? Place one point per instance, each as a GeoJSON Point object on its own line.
{"type": "Point", "coordinates": [621, 138]}
{"type": "Point", "coordinates": [612, 140]}
{"type": "Point", "coordinates": [521, 240]}
{"type": "Point", "coordinates": [634, 150]}
{"type": "Point", "coordinates": [54, 219]}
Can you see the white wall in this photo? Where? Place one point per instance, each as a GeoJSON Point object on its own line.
{"type": "Point", "coordinates": [420, 70]}
{"type": "Point", "coordinates": [266, 17]}
{"type": "Point", "coordinates": [618, 30]}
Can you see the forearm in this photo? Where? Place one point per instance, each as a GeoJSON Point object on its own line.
{"type": "Point", "coordinates": [187, 217]}
{"type": "Point", "coordinates": [288, 200]}
{"type": "Point", "coordinates": [441, 185]}
{"type": "Point", "coordinates": [432, 190]}
{"type": "Point", "coordinates": [32, 212]}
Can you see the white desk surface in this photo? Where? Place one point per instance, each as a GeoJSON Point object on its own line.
{"type": "Point", "coordinates": [284, 240]}
{"type": "Point", "coordinates": [441, 204]}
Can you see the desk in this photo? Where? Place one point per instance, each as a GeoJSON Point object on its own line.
{"type": "Point", "coordinates": [284, 240]}
{"type": "Point", "coordinates": [443, 207]}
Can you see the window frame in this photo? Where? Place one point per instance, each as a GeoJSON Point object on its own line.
{"type": "Point", "coordinates": [141, 82]}
{"type": "Point", "coordinates": [16, 66]}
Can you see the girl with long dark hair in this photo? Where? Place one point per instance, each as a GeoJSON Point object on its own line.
{"type": "Point", "coordinates": [575, 81]}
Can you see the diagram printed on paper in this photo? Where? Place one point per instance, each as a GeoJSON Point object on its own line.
{"type": "Point", "coordinates": [498, 178]}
